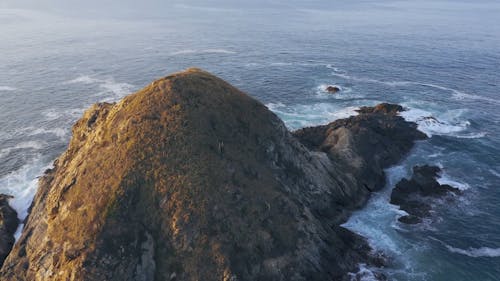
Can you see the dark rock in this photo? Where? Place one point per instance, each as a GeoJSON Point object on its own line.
{"type": "Point", "coordinates": [332, 89]}
{"type": "Point", "coordinates": [8, 226]}
{"type": "Point", "coordinates": [191, 179]}
{"type": "Point", "coordinates": [413, 195]}
{"type": "Point", "coordinates": [384, 108]}
{"type": "Point", "coordinates": [364, 145]}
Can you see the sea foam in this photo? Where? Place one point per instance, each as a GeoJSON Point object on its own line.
{"type": "Point", "coordinates": [304, 115]}
{"type": "Point", "coordinates": [455, 94]}
{"type": "Point", "coordinates": [476, 252]}
{"type": "Point", "coordinates": [7, 89]}
{"type": "Point", "coordinates": [22, 184]}
{"type": "Point", "coordinates": [448, 123]}
{"type": "Point", "coordinates": [205, 51]}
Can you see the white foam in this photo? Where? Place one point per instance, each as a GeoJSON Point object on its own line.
{"type": "Point", "coordinates": [476, 252]}
{"type": "Point", "coordinates": [58, 132]}
{"type": "Point", "coordinates": [112, 90]}
{"type": "Point", "coordinates": [456, 94]}
{"type": "Point", "coordinates": [330, 66]}
{"type": "Point", "coordinates": [35, 145]}
{"type": "Point", "coordinates": [345, 93]}
{"type": "Point", "coordinates": [22, 184]}
{"type": "Point", "coordinates": [119, 90]}
{"type": "Point", "coordinates": [448, 123]}
{"type": "Point", "coordinates": [364, 273]}
{"type": "Point", "coordinates": [495, 173]}
{"type": "Point", "coordinates": [205, 51]}
{"type": "Point", "coordinates": [445, 179]}
{"type": "Point", "coordinates": [7, 89]}
{"type": "Point", "coordinates": [375, 222]}
{"type": "Point", "coordinates": [84, 79]}
{"type": "Point", "coordinates": [51, 114]}
{"type": "Point", "coordinates": [69, 115]}
{"type": "Point", "coordinates": [299, 116]}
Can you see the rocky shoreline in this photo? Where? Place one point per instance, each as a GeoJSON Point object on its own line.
{"type": "Point", "coordinates": [415, 195]}
{"type": "Point", "coordinates": [191, 179]}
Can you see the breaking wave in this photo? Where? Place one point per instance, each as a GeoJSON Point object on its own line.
{"type": "Point", "coordinates": [476, 252]}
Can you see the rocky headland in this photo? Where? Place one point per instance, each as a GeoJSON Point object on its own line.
{"type": "Point", "coordinates": [191, 179]}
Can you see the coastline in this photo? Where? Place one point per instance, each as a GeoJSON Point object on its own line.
{"type": "Point", "coordinates": [332, 158]}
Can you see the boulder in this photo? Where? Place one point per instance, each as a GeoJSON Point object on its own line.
{"type": "Point", "coordinates": [413, 195]}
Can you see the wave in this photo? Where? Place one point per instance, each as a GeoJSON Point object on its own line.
{"type": "Point", "coordinates": [364, 273]}
{"type": "Point", "coordinates": [33, 145]}
{"type": "Point", "coordinates": [83, 80]}
{"type": "Point", "coordinates": [476, 252]}
{"type": "Point", "coordinates": [204, 8]}
{"type": "Point", "coordinates": [69, 115]}
{"type": "Point", "coordinates": [7, 89]}
{"type": "Point", "coordinates": [58, 132]}
{"type": "Point", "coordinates": [119, 90]}
{"type": "Point", "coordinates": [495, 173]}
{"type": "Point", "coordinates": [305, 115]}
{"type": "Point", "coordinates": [112, 90]}
{"type": "Point", "coordinates": [345, 93]}
{"type": "Point", "coordinates": [282, 64]}
{"type": "Point", "coordinates": [445, 179]}
{"type": "Point", "coordinates": [206, 51]}
{"type": "Point", "coordinates": [22, 184]}
{"type": "Point", "coordinates": [448, 123]}
{"type": "Point", "coordinates": [456, 94]}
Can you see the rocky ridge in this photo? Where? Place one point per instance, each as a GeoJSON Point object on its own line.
{"type": "Point", "coordinates": [191, 179]}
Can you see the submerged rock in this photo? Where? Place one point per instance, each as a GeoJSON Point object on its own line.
{"type": "Point", "coordinates": [413, 195]}
{"type": "Point", "coordinates": [332, 89]}
{"type": "Point", "coordinates": [191, 179]}
{"type": "Point", "coordinates": [8, 226]}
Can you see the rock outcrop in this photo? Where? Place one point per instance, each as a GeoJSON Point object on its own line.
{"type": "Point", "coordinates": [413, 195]}
{"type": "Point", "coordinates": [8, 226]}
{"type": "Point", "coordinates": [191, 179]}
{"type": "Point", "coordinates": [332, 89]}
{"type": "Point", "coordinates": [363, 146]}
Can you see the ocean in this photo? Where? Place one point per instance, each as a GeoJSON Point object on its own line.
{"type": "Point", "coordinates": [439, 59]}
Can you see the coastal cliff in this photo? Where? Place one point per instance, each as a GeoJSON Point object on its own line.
{"type": "Point", "coordinates": [191, 179]}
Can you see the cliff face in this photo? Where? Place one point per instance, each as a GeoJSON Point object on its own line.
{"type": "Point", "coordinates": [8, 225]}
{"type": "Point", "coordinates": [191, 179]}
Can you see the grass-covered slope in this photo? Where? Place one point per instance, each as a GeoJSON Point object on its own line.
{"type": "Point", "coordinates": [189, 179]}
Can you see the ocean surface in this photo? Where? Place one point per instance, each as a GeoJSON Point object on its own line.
{"type": "Point", "coordinates": [439, 59]}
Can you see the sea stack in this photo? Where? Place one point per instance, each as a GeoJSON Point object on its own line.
{"type": "Point", "coordinates": [191, 179]}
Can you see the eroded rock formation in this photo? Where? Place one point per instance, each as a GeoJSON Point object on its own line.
{"type": "Point", "coordinates": [413, 195]}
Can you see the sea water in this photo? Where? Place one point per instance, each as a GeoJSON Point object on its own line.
{"type": "Point", "coordinates": [439, 59]}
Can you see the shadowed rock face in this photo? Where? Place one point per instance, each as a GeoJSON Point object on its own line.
{"type": "Point", "coordinates": [413, 195]}
{"type": "Point", "coordinates": [364, 145]}
{"type": "Point", "coordinates": [191, 179]}
{"type": "Point", "coordinates": [8, 226]}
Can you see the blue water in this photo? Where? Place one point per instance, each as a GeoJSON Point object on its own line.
{"type": "Point", "coordinates": [439, 59]}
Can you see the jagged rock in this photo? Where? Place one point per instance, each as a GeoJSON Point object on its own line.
{"type": "Point", "coordinates": [332, 89]}
{"type": "Point", "coordinates": [364, 145]}
{"type": "Point", "coordinates": [191, 179]}
{"type": "Point", "coordinates": [8, 226]}
{"type": "Point", "coordinates": [412, 195]}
